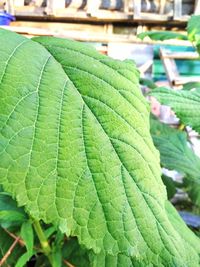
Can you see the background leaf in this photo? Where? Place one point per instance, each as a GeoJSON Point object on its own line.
{"type": "Point", "coordinates": [162, 35]}
{"type": "Point", "coordinates": [186, 104]}
{"type": "Point", "coordinates": [193, 29]}
{"type": "Point", "coordinates": [10, 214]}
{"type": "Point", "coordinates": [176, 155]}
{"type": "Point", "coordinates": [191, 85]}
{"type": "Point", "coordinates": [147, 82]}
{"type": "Point", "coordinates": [74, 254]}
{"type": "Point", "coordinates": [170, 186]}
{"type": "Point", "coordinates": [28, 238]}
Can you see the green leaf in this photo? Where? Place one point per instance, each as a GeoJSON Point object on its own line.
{"type": "Point", "coordinates": [28, 238]}
{"type": "Point", "coordinates": [170, 186]}
{"type": "Point", "coordinates": [24, 259]}
{"type": "Point", "coordinates": [147, 82]}
{"type": "Point", "coordinates": [186, 104]}
{"type": "Point", "coordinates": [192, 187]}
{"type": "Point", "coordinates": [10, 218]}
{"type": "Point", "coordinates": [49, 231]}
{"type": "Point", "coordinates": [174, 150]}
{"type": "Point", "coordinates": [57, 249]}
{"type": "Point", "coordinates": [177, 155]}
{"type": "Point", "coordinates": [27, 235]}
{"type": "Point", "coordinates": [193, 28]}
{"type": "Point", "coordinates": [10, 214]}
{"type": "Point", "coordinates": [162, 35]}
{"type": "Point", "coordinates": [77, 152]}
{"type": "Point", "coordinates": [191, 85]}
{"type": "Point", "coordinates": [74, 254]}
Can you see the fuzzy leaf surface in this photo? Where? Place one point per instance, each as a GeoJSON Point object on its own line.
{"type": "Point", "coordinates": [76, 151]}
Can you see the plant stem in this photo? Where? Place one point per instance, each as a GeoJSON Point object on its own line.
{"type": "Point", "coordinates": [43, 240]}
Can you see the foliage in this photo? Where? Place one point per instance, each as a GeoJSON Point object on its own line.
{"type": "Point", "coordinates": [191, 85]}
{"type": "Point", "coordinates": [162, 35]}
{"type": "Point", "coordinates": [5, 243]}
{"type": "Point", "coordinates": [174, 148]}
{"type": "Point", "coordinates": [148, 83]}
{"type": "Point", "coordinates": [186, 104]}
{"type": "Point", "coordinates": [193, 30]}
{"type": "Point", "coordinates": [170, 186]}
{"type": "Point", "coordinates": [76, 152]}
{"type": "Point", "coordinates": [175, 154]}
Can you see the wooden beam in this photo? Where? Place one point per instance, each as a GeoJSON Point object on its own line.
{"type": "Point", "coordinates": [168, 59]}
{"type": "Point", "coordinates": [170, 67]}
{"type": "Point", "coordinates": [182, 55]}
{"type": "Point", "coordinates": [177, 9]}
{"type": "Point", "coordinates": [183, 80]}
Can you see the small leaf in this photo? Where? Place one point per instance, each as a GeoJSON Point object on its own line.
{"type": "Point", "coordinates": [49, 231]}
{"type": "Point", "coordinates": [192, 187]}
{"type": "Point", "coordinates": [27, 235]}
{"type": "Point", "coordinates": [10, 218]}
{"type": "Point", "coordinates": [191, 85]}
{"type": "Point", "coordinates": [28, 238]}
{"type": "Point", "coordinates": [149, 83]}
{"type": "Point", "coordinates": [57, 249]}
{"type": "Point", "coordinates": [10, 214]}
{"type": "Point", "coordinates": [170, 186]}
{"type": "Point", "coordinates": [57, 257]}
{"type": "Point", "coordinates": [162, 35]}
{"type": "Point", "coordinates": [75, 254]}
{"type": "Point", "coordinates": [24, 259]}
{"type": "Point", "coordinates": [193, 28]}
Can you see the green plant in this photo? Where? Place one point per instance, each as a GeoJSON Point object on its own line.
{"type": "Point", "coordinates": [173, 144]}
{"type": "Point", "coordinates": [77, 154]}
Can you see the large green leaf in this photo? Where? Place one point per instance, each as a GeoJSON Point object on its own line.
{"type": "Point", "coordinates": [76, 151]}
{"type": "Point", "coordinates": [186, 104]}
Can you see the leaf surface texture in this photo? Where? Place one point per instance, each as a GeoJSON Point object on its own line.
{"type": "Point", "coordinates": [76, 151]}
